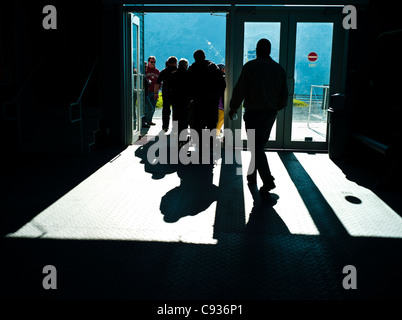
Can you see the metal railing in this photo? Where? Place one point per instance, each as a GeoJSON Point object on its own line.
{"type": "Point", "coordinates": [325, 97]}
{"type": "Point", "coordinates": [79, 104]}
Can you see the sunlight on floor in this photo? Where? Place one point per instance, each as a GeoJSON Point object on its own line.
{"type": "Point", "coordinates": [121, 201]}
{"type": "Point", "coordinates": [290, 206]}
{"type": "Point", "coordinates": [360, 210]}
{"type": "Point", "coordinates": [130, 199]}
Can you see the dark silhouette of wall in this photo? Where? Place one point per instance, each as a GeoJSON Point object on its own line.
{"type": "Point", "coordinates": [52, 65]}
{"type": "Point", "coordinates": [373, 73]}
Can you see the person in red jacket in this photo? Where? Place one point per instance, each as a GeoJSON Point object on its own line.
{"type": "Point", "coordinates": [151, 73]}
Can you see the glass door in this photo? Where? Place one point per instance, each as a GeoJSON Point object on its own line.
{"type": "Point", "coordinates": [312, 73]}
{"type": "Point", "coordinates": [133, 78]}
{"type": "Point", "coordinates": [254, 31]}
{"type": "Point", "coordinates": [315, 64]}
{"type": "Point", "coordinates": [137, 79]}
{"type": "Point", "coordinates": [272, 25]}
{"type": "Point", "coordinates": [308, 44]}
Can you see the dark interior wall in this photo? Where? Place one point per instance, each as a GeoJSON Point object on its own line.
{"type": "Point", "coordinates": [23, 43]}
{"type": "Point", "coordinates": [29, 41]}
{"type": "Point", "coordinates": [86, 31]}
{"type": "Point", "coordinates": [374, 69]}
{"type": "Point", "coordinates": [110, 24]}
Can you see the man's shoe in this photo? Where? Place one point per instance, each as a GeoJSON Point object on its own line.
{"type": "Point", "coordinates": [151, 123]}
{"type": "Point", "coordinates": [165, 129]}
{"type": "Point", "coordinates": [267, 187]}
{"type": "Point", "coordinates": [264, 190]}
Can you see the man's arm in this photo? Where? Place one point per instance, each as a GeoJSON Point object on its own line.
{"type": "Point", "coordinates": [239, 93]}
{"type": "Point", "coordinates": [157, 86]}
{"type": "Point", "coordinates": [156, 91]}
{"type": "Point", "coordinates": [158, 83]}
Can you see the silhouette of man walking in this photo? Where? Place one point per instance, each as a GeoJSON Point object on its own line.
{"type": "Point", "coordinates": [165, 77]}
{"type": "Point", "coordinates": [207, 83]}
{"type": "Point", "coordinates": [262, 85]}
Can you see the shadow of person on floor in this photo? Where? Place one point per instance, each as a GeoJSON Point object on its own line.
{"type": "Point", "coordinates": [195, 193]}
{"type": "Point", "coordinates": [156, 156]}
{"type": "Point", "coordinates": [263, 217]}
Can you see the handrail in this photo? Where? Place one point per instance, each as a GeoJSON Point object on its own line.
{"type": "Point", "coordinates": [325, 98]}
{"type": "Point", "coordinates": [384, 34]}
{"type": "Point", "coordinates": [378, 146]}
{"type": "Point", "coordinates": [78, 102]}
{"type": "Point", "coordinates": [19, 92]}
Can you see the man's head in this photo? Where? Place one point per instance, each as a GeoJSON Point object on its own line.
{"type": "Point", "coordinates": [199, 55]}
{"type": "Point", "coordinates": [151, 62]}
{"type": "Point", "coordinates": [172, 61]}
{"type": "Point", "coordinates": [221, 67]}
{"type": "Point", "coordinates": [263, 48]}
{"type": "Point", "coordinates": [183, 64]}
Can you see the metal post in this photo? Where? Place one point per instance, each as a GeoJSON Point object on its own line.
{"type": "Point", "coordinates": [309, 107]}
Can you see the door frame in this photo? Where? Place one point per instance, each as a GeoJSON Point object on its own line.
{"type": "Point", "coordinates": [336, 72]}
{"type": "Point", "coordinates": [140, 9]}
{"type": "Point", "coordinates": [235, 17]}
{"type": "Point", "coordinates": [238, 17]}
{"type": "Point", "coordinates": [129, 79]}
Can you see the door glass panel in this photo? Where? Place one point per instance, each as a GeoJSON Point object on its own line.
{"type": "Point", "coordinates": [254, 31]}
{"type": "Point", "coordinates": [312, 78]}
{"type": "Point", "coordinates": [135, 81]}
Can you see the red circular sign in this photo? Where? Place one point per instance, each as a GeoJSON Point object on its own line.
{"type": "Point", "coordinates": [312, 56]}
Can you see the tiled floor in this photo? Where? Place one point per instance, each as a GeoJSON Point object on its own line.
{"type": "Point", "coordinates": [125, 227]}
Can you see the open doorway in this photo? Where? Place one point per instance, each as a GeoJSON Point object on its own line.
{"type": "Point", "coordinates": [179, 34]}
{"type": "Point", "coordinates": [309, 42]}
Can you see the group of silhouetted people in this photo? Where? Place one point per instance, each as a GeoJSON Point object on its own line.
{"type": "Point", "coordinates": [195, 93]}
